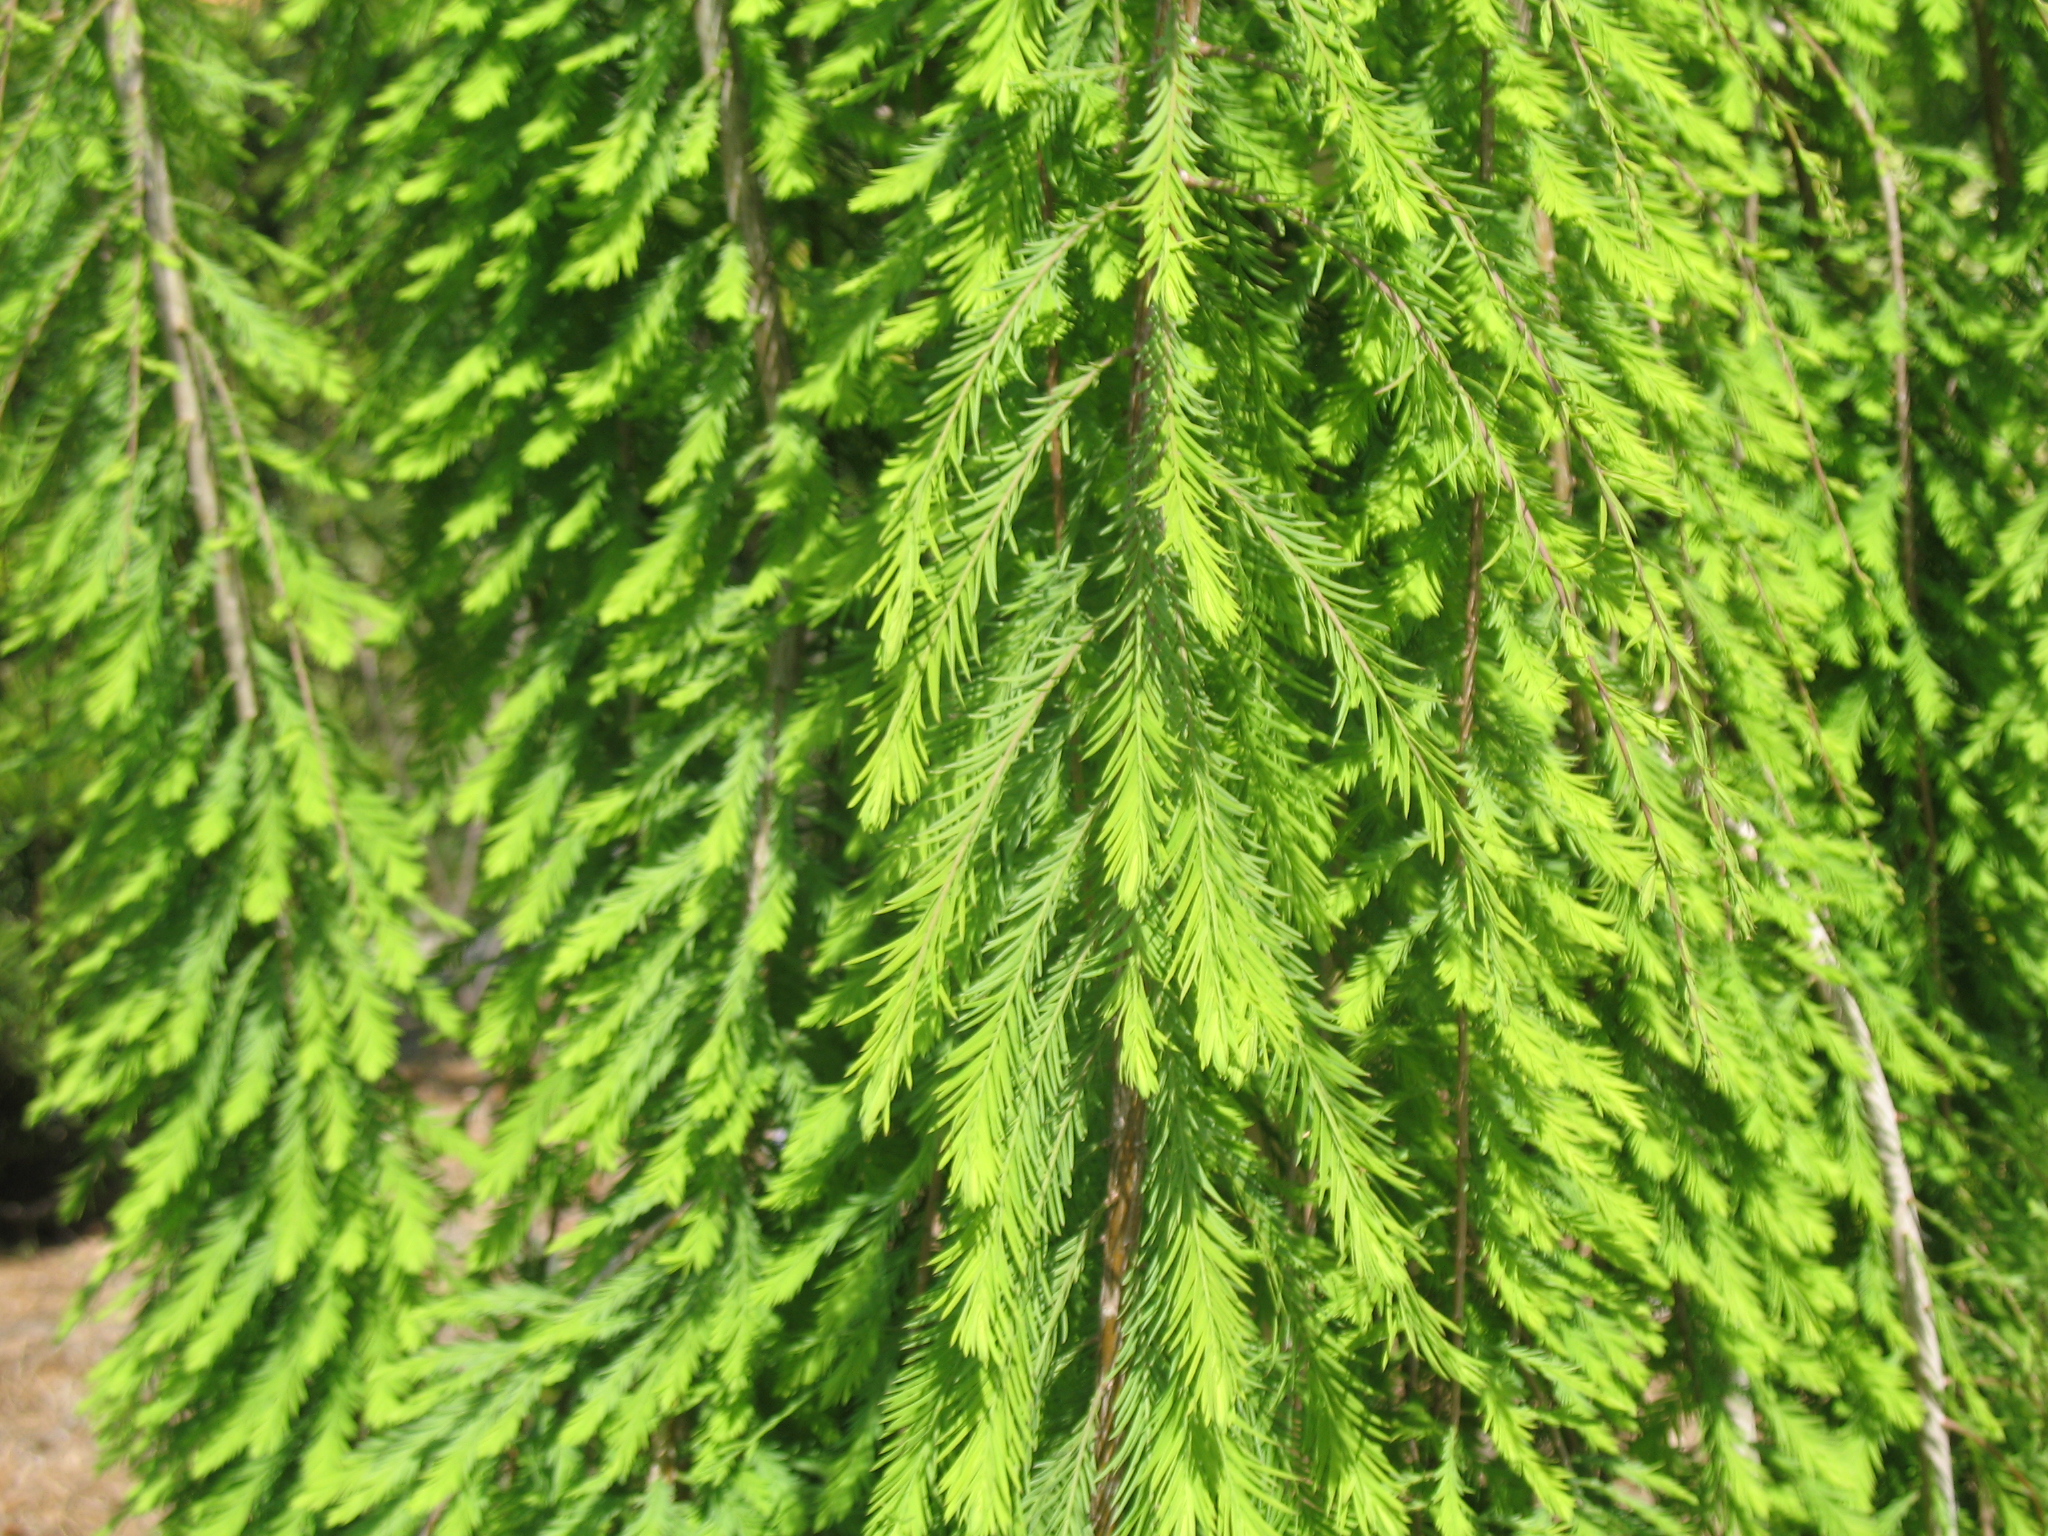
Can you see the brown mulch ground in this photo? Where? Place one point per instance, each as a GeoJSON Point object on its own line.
{"type": "Point", "coordinates": [50, 1481]}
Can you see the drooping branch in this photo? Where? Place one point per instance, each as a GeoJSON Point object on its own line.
{"type": "Point", "coordinates": [1909, 1249]}
{"type": "Point", "coordinates": [65, 282]}
{"type": "Point", "coordinates": [252, 487]}
{"type": "Point", "coordinates": [151, 171]}
{"type": "Point", "coordinates": [744, 205]}
{"type": "Point", "coordinates": [1177, 26]}
{"type": "Point", "coordinates": [773, 371]}
{"type": "Point", "coordinates": [1468, 721]}
{"type": "Point", "coordinates": [1743, 254]}
{"type": "Point", "coordinates": [1884, 158]}
{"type": "Point", "coordinates": [1122, 1227]}
{"type": "Point", "coordinates": [1561, 482]}
{"type": "Point", "coordinates": [73, 34]}
{"type": "Point", "coordinates": [1468, 699]}
{"type": "Point", "coordinates": [1566, 597]}
{"type": "Point", "coordinates": [1991, 88]}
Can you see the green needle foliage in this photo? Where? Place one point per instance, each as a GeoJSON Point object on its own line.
{"type": "Point", "coordinates": [1267, 766]}
{"type": "Point", "coordinates": [230, 932]}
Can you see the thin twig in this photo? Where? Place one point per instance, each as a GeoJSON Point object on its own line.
{"type": "Point", "coordinates": [1746, 263]}
{"type": "Point", "coordinates": [1991, 83]}
{"type": "Point", "coordinates": [1909, 1248]}
{"type": "Point", "coordinates": [773, 372]}
{"type": "Point", "coordinates": [1248, 60]}
{"type": "Point", "coordinates": [252, 487]}
{"type": "Point", "coordinates": [151, 172]}
{"type": "Point", "coordinates": [1957, 1426]}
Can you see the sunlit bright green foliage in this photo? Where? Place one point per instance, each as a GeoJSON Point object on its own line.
{"type": "Point", "coordinates": [904, 614]}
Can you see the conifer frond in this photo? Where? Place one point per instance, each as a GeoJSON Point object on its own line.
{"type": "Point", "coordinates": [1192, 767]}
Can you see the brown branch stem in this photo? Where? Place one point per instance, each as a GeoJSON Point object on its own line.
{"type": "Point", "coordinates": [1122, 1227]}
{"type": "Point", "coordinates": [1177, 26]}
{"type": "Point", "coordinates": [1468, 699]}
{"type": "Point", "coordinates": [1468, 722]}
{"type": "Point", "coordinates": [1991, 88]}
{"type": "Point", "coordinates": [931, 1228]}
{"type": "Point", "coordinates": [773, 373]}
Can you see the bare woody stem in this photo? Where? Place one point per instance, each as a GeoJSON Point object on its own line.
{"type": "Point", "coordinates": [152, 176]}
{"type": "Point", "coordinates": [744, 205]}
{"type": "Point", "coordinates": [1909, 1249]}
{"type": "Point", "coordinates": [931, 1229]}
{"type": "Point", "coordinates": [774, 370]}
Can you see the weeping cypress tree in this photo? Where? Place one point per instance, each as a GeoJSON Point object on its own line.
{"type": "Point", "coordinates": [1287, 1014]}
{"type": "Point", "coordinates": [1227, 761]}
